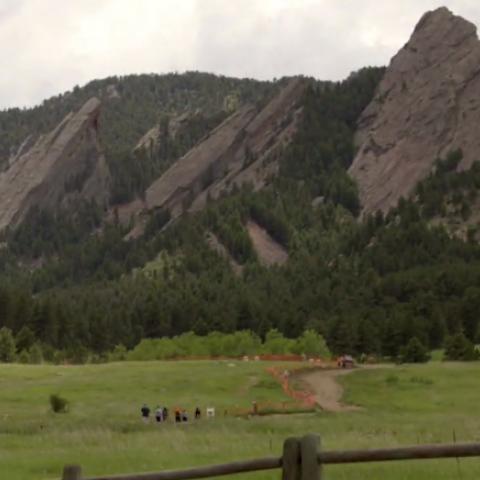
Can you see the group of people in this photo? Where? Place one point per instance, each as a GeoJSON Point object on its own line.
{"type": "Point", "coordinates": [161, 414]}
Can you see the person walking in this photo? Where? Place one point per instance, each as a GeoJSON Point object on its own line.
{"type": "Point", "coordinates": [159, 414]}
{"type": "Point", "coordinates": [145, 413]}
{"type": "Point", "coordinates": [198, 413]}
{"type": "Point", "coordinates": [165, 414]}
{"type": "Point", "coordinates": [178, 418]}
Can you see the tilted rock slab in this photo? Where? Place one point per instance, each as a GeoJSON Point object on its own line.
{"type": "Point", "coordinates": [240, 150]}
{"type": "Point", "coordinates": [64, 164]}
{"type": "Point", "coordinates": [427, 104]}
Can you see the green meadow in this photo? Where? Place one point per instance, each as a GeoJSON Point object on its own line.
{"type": "Point", "coordinates": [436, 402]}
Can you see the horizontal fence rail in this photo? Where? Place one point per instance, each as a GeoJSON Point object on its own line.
{"type": "Point", "coordinates": [298, 450]}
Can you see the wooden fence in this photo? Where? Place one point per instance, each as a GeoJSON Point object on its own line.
{"type": "Point", "coordinates": [302, 459]}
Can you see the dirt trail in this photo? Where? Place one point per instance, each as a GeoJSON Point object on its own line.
{"type": "Point", "coordinates": [327, 391]}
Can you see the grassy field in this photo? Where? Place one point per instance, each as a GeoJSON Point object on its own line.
{"type": "Point", "coordinates": [103, 432]}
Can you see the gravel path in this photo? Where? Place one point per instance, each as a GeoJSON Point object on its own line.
{"type": "Point", "coordinates": [327, 390]}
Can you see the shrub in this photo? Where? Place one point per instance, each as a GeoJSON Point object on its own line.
{"type": "Point", "coordinates": [78, 354]}
{"type": "Point", "coordinates": [58, 404]}
{"type": "Point", "coordinates": [7, 345]}
{"type": "Point", "coordinates": [276, 344]}
{"type": "Point", "coordinates": [421, 380]}
{"type": "Point", "coordinates": [35, 354]}
{"type": "Point", "coordinates": [23, 357]}
{"type": "Point", "coordinates": [313, 344]}
{"type": "Point", "coordinates": [458, 347]}
{"type": "Point", "coordinates": [391, 379]}
{"type": "Point", "coordinates": [24, 339]}
{"type": "Point", "coordinates": [119, 354]}
{"type": "Point", "coordinates": [415, 352]}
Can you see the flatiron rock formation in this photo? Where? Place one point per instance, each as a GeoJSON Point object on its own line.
{"type": "Point", "coordinates": [242, 149]}
{"type": "Point", "coordinates": [64, 164]}
{"type": "Point", "coordinates": [427, 104]}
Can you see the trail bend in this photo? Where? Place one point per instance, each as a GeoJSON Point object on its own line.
{"type": "Point", "coordinates": [328, 392]}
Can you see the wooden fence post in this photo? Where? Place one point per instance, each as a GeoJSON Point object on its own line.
{"type": "Point", "coordinates": [309, 450]}
{"type": "Point", "coordinates": [72, 472]}
{"type": "Point", "coordinates": [291, 462]}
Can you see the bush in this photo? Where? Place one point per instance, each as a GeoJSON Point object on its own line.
{"type": "Point", "coordinates": [312, 344]}
{"type": "Point", "coordinates": [276, 344]}
{"type": "Point", "coordinates": [58, 404]}
{"type": "Point", "coordinates": [35, 353]}
{"type": "Point", "coordinates": [119, 354]}
{"type": "Point", "coordinates": [23, 357]}
{"type": "Point", "coordinates": [458, 347]}
{"type": "Point", "coordinates": [414, 352]}
{"type": "Point", "coordinates": [24, 339]}
{"type": "Point", "coordinates": [8, 348]}
{"type": "Point", "coordinates": [421, 380]}
{"type": "Point", "coordinates": [391, 379]}
{"type": "Point", "coordinates": [189, 344]}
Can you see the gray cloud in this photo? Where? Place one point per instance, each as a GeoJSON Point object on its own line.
{"type": "Point", "coordinates": [49, 46]}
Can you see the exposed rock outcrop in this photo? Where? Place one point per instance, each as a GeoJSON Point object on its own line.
{"type": "Point", "coordinates": [216, 245]}
{"type": "Point", "coordinates": [269, 251]}
{"type": "Point", "coordinates": [242, 149]}
{"type": "Point", "coordinates": [153, 139]}
{"type": "Point", "coordinates": [59, 166]}
{"type": "Point", "coordinates": [427, 104]}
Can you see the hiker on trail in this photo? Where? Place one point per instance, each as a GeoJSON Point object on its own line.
{"type": "Point", "coordinates": [165, 414]}
{"type": "Point", "coordinates": [145, 413]}
{"type": "Point", "coordinates": [178, 419]}
{"type": "Point", "coordinates": [159, 414]}
{"type": "Point", "coordinates": [198, 414]}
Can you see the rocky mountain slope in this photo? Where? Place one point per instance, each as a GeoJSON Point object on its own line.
{"type": "Point", "coordinates": [242, 149]}
{"type": "Point", "coordinates": [56, 168]}
{"type": "Point", "coordinates": [287, 253]}
{"type": "Point", "coordinates": [427, 104]}
{"type": "Point", "coordinates": [131, 106]}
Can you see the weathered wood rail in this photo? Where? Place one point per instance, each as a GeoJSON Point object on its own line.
{"type": "Point", "coordinates": [302, 459]}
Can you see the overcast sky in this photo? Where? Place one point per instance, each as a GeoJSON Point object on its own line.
{"type": "Point", "coordinates": [48, 46]}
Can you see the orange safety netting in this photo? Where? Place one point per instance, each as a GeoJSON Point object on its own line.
{"type": "Point", "coordinates": [302, 397]}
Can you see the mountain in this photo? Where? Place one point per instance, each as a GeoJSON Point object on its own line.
{"type": "Point", "coordinates": [427, 105]}
{"type": "Point", "coordinates": [345, 207]}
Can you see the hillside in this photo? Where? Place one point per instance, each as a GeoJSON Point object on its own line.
{"type": "Point", "coordinates": [243, 149]}
{"type": "Point", "coordinates": [130, 107]}
{"type": "Point", "coordinates": [235, 204]}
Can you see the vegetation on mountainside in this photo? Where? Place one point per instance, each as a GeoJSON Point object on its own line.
{"type": "Point", "coordinates": [323, 148]}
{"type": "Point", "coordinates": [135, 171]}
{"type": "Point", "coordinates": [132, 105]}
{"type": "Point", "coordinates": [451, 196]}
{"type": "Point", "coordinates": [367, 287]}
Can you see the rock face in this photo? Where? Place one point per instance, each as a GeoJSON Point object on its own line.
{"type": "Point", "coordinates": [153, 139]}
{"type": "Point", "coordinates": [427, 104]}
{"type": "Point", "coordinates": [242, 149]}
{"type": "Point", "coordinates": [269, 251]}
{"type": "Point", "coordinates": [56, 168]}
